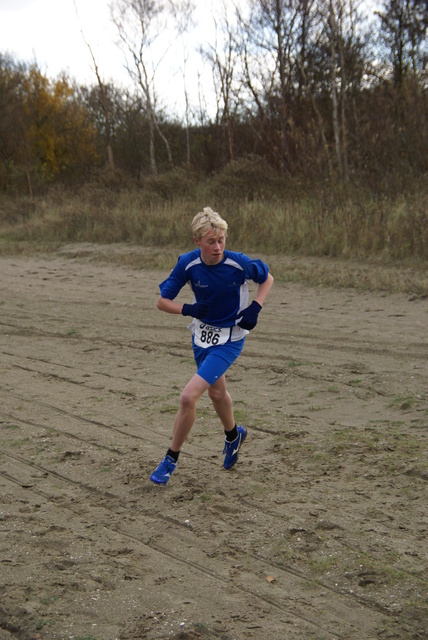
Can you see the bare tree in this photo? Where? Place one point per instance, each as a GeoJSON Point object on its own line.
{"type": "Point", "coordinates": [404, 26]}
{"type": "Point", "coordinates": [182, 13]}
{"type": "Point", "coordinates": [346, 44]}
{"type": "Point", "coordinates": [145, 29]}
{"type": "Point", "coordinates": [333, 26]}
{"type": "Point", "coordinates": [104, 101]}
{"type": "Point", "coordinates": [320, 121]}
{"type": "Point", "coordinates": [270, 48]}
{"type": "Point", "coordinates": [223, 56]}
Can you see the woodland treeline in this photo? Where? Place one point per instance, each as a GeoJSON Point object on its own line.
{"type": "Point", "coordinates": [319, 90]}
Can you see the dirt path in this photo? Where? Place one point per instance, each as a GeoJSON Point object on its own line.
{"type": "Point", "coordinates": [321, 529]}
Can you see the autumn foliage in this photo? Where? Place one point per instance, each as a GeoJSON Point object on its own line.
{"type": "Point", "coordinates": [46, 132]}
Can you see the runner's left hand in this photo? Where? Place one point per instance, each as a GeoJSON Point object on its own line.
{"type": "Point", "coordinates": [249, 316]}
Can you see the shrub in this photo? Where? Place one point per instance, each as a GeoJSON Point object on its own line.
{"type": "Point", "coordinates": [176, 183]}
{"type": "Point", "coordinates": [248, 178]}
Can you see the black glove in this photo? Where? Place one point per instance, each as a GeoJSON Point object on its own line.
{"type": "Point", "coordinates": [198, 310]}
{"type": "Point", "coordinates": [249, 316]}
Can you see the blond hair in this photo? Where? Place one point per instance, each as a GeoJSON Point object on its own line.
{"type": "Point", "coordinates": [206, 221]}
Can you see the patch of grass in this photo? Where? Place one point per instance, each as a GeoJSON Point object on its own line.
{"type": "Point", "coordinates": [203, 631]}
{"type": "Point", "coordinates": [204, 497]}
{"type": "Point", "coordinates": [319, 407]}
{"type": "Point", "coordinates": [168, 409]}
{"type": "Point", "coordinates": [44, 622]}
{"type": "Point", "coordinates": [406, 402]}
{"type": "Point", "coordinates": [50, 599]}
{"type": "Point", "coordinates": [19, 443]}
{"type": "Point", "coordinates": [355, 382]}
{"type": "Point", "coordinates": [260, 487]}
{"type": "Point", "coordinates": [321, 565]}
{"type": "Point", "coordinates": [205, 412]}
{"type": "Point", "coordinates": [73, 333]}
{"type": "Point", "coordinates": [294, 363]}
{"type": "Point", "coordinates": [240, 416]}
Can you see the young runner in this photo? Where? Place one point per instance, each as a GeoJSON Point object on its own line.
{"type": "Point", "coordinates": [222, 318]}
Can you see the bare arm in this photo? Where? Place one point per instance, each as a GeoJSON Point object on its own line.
{"type": "Point", "coordinates": [165, 304]}
{"type": "Point", "coordinates": [263, 290]}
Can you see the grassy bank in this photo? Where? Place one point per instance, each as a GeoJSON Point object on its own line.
{"type": "Point", "coordinates": [322, 238]}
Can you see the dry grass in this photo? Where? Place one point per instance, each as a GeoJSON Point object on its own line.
{"type": "Point", "coordinates": [335, 239]}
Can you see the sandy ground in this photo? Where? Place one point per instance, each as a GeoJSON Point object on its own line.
{"type": "Point", "coordinates": [319, 532]}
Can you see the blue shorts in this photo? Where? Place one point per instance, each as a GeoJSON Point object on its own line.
{"type": "Point", "coordinates": [213, 362]}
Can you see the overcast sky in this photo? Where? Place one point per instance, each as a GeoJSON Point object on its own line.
{"type": "Point", "coordinates": [50, 33]}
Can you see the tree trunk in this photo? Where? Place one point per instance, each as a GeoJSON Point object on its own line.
{"type": "Point", "coordinates": [164, 140]}
{"type": "Point", "coordinates": [27, 172]}
{"type": "Point", "coordinates": [333, 77]}
{"type": "Point", "coordinates": [153, 166]}
{"type": "Point", "coordinates": [104, 106]}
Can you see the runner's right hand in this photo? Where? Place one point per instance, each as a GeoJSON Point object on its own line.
{"type": "Point", "coordinates": [197, 310]}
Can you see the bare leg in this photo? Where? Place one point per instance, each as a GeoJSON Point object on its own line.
{"type": "Point", "coordinates": [186, 414]}
{"type": "Point", "coordinates": [222, 403]}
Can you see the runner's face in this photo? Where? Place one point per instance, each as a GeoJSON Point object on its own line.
{"type": "Point", "coordinates": [212, 246]}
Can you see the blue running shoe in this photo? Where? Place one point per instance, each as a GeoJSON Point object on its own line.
{"type": "Point", "coordinates": [164, 471]}
{"type": "Point", "coordinates": [231, 448]}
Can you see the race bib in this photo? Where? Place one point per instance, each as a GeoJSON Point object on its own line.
{"type": "Point", "coordinates": [208, 336]}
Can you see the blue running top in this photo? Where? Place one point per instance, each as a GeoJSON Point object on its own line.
{"type": "Point", "coordinates": [223, 285]}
